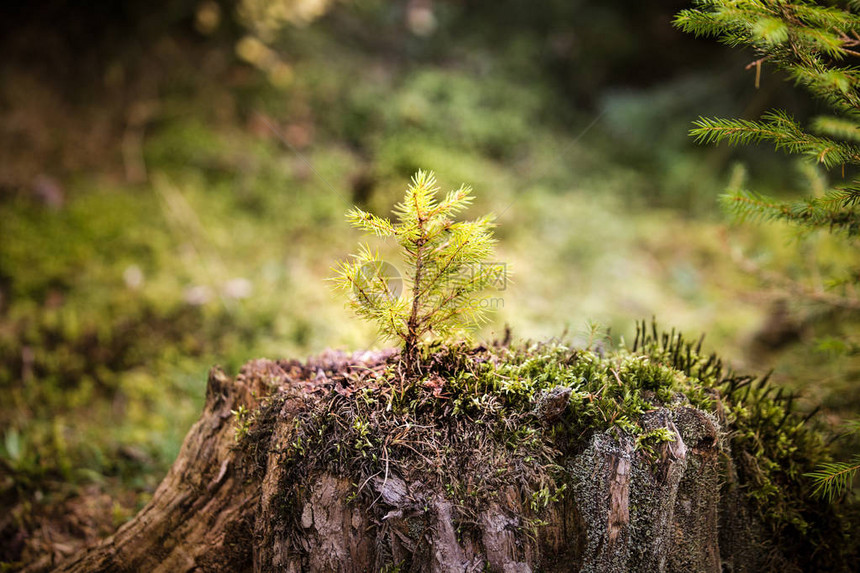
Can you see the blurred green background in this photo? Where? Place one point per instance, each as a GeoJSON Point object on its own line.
{"type": "Point", "coordinates": [174, 177]}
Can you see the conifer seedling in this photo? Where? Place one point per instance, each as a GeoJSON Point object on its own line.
{"type": "Point", "coordinates": [445, 268]}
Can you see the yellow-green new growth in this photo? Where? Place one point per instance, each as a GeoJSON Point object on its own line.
{"type": "Point", "coordinates": [445, 261]}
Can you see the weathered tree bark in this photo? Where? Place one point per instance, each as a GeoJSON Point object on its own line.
{"type": "Point", "coordinates": [628, 511]}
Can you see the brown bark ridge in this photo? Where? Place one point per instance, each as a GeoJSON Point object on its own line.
{"type": "Point", "coordinates": [222, 510]}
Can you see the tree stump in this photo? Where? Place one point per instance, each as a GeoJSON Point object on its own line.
{"type": "Point", "coordinates": [221, 509]}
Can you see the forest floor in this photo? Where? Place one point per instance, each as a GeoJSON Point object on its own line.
{"type": "Point", "coordinates": [184, 207]}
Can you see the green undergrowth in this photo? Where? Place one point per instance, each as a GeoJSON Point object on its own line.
{"type": "Point", "coordinates": [477, 422]}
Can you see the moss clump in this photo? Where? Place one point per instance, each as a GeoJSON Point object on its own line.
{"type": "Point", "coordinates": [480, 420]}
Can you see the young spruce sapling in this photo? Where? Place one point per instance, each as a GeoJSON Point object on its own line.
{"type": "Point", "coordinates": [446, 268]}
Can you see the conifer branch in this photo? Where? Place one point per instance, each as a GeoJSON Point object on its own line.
{"type": "Point", "coordinates": [832, 480]}
{"type": "Point", "coordinates": [827, 213]}
{"type": "Point", "coordinates": [816, 44]}
{"type": "Point", "coordinates": [780, 129]}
